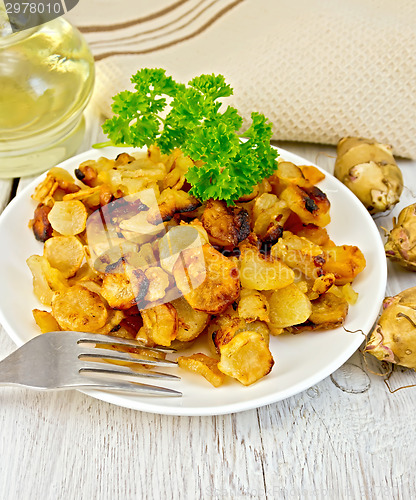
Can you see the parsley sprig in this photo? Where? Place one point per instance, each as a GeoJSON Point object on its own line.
{"type": "Point", "coordinates": [193, 118]}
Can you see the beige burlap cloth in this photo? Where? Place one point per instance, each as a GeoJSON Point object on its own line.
{"type": "Point", "coordinates": [318, 69]}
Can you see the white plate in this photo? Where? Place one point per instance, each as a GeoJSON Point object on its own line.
{"type": "Point", "coordinates": [300, 360]}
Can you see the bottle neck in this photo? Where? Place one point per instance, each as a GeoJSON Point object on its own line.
{"type": "Point", "coordinates": [9, 35]}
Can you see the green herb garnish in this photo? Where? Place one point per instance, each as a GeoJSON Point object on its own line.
{"type": "Point", "coordinates": [192, 118]}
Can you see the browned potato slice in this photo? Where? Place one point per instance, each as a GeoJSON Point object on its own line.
{"type": "Point", "coordinates": [191, 322]}
{"type": "Point", "coordinates": [259, 327]}
{"type": "Point", "coordinates": [288, 306]}
{"type": "Point", "coordinates": [323, 283]}
{"type": "Point", "coordinates": [289, 172]}
{"type": "Point", "coordinates": [84, 273]}
{"type": "Point", "coordinates": [68, 217]}
{"type": "Point", "coordinates": [312, 174]}
{"type": "Point", "coordinates": [263, 203]}
{"type": "Point", "coordinates": [299, 254]}
{"type": "Point", "coordinates": [57, 180]}
{"type": "Point", "coordinates": [176, 240]}
{"type": "Point", "coordinates": [204, 365]}
{"type": "Point", "coordinates": [329, 311]}
{"type": "Point", "coordinates": [118, 291]}
{"type": "Point", "coordinates": [45, 189]}
{"type": "Point", "coordinates": [79, 309]}
{"type": "Point", "coordinates": [209, 284]}
{"type": "Point", "coordinates": [123, 290]}
{"type": "Point", "coordinates": [253, 305]}
{"type": "Point", "coordinates": [246, 357]}
{"type": "Point", "coordinates": [41, 226]}
{"type": "Point", "coordinates": [171, 202]}
{"type": "Point", "coordinates": [161, 324]}
{"type": "Point", "coordinates": [345, 262]}
{"type": "Point", "coordinates": [112, 324]}
{"type": "Point", "coordinates": [260, 273]}
{"type": "Point", "coordinates": [46, 279]}
{"type": "Point", "coordinates": [256, 326]}
{"type": "Point", "coordinates": [158, 282]}
{"type": "Point", "coordinates": [45, 321]}
{"type": "Point", "coordinates": [144, 338]}
{"type": "Point", "coordinates": [350, 295]}
{"type": "Point", "coordinates": [311, 205]}
{"type": "Point", "coordinates": [64, 253]}
{"type": "Point", "coordinates": [218, 222]}
{"type": "Point", "coordinates": [317, 235]}
{"type": "Point", "coordinates": [228, 324]}
{"type": "Point", "coordinates": [224, 327]}
{"type": "Point", "coordinates": [87, 173]}
{"type": "Point", "coordinates": [224, 227]}
{"type": "Point", "coordinates": [249, 197]}
{"type": "Point", "coordinates": [268, 211]}
{"type": "Point", "coordinates": [176, 177]}
{"type": "Point", "coordinates": [83, 194]}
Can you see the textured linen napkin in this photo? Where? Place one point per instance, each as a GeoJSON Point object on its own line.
{"type": "Point", "coordinates": [318, 69]}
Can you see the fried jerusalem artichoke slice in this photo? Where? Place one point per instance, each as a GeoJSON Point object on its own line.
{"type": "Point", "coordinates": [345, 262]}
{"type": "Point", "coordinates": [288, 306]}
{"type": "Point", "coordinates": [46, 279]}
{"type": "Point", "coordinates": [369, 170]}
{"type": "Point", "coordinates": [269, 216]}
{"type": "Point", "coordinates": [65, 253]}
{"type": "Point", "coordinates": [300, 254]}
{"type": "Point", "coordinates": [310, 204]}
{"type": "Point", "coordinates": [246, 357]}
{"type": "Point", "coordinates": [45, 321]}
{"type": "Point", "coordinates": [158, 281]}
{"type": "Point", "coordinates": [161, 324]}
{"type": "Point", "coordinates": [394, 337]}
{"type": "Point", "coordinates": [79, 309]}
{"type": "Point", "coordinates": [123, 288]}
{"type": "Point", "coordinates": [204, 365]}
{"type": "Point", "coordinates": [171, 202]}
{"type": "Point", "coordinates": [225, 226]}
{"type": "Point", "coordinates": [41, 227]}
{"type": "Point", "coordinates": [258, 272]}
{"type": "Point", "coordinates": [328, 311]}
{"type": "Point", "coordinates": [228, 324]}
{"type": "Point", "coordinates": [253, 306]}
{"type": "Point", "coordinates": [191, 322]}
{"type": "Point", "coordinates": [208, 280]}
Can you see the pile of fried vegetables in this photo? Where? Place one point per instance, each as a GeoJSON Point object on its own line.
{"type": "Point", "coordinates": [270, 266]}
{"type": "Point", "coordinates": [204, 235]}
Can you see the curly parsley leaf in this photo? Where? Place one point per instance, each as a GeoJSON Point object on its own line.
{"type": "Point", "coordinates": [192, 118]}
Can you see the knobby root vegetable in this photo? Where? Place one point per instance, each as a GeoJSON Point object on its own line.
{"type": "Point", "coordinates": [394, 337]}
{"type": "Point", "coordinates": [369, 169]}
{"type": "Point", "coordinates": [401, 244]}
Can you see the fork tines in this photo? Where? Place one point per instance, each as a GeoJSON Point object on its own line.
{"type": "Point", "coordinates": [107, 351]}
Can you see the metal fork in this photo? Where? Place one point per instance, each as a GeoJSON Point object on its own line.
{"type": "Point", "coordinates": [68, 360]}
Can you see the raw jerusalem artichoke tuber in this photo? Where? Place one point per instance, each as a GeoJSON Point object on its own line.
{"type": "Point", "coordinates": [401, 243]}
{"type": "Point", "coordinates": [394, 337]}
{"type": "Point", "coordinates": [369, 169]}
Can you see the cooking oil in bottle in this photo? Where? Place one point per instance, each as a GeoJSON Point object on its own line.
{"type": "Point", "coordinates": [46, 80]}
